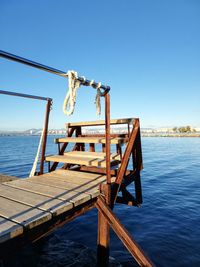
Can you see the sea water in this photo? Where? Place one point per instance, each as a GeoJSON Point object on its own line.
{"type": "Point", "coordinates": [166, 226]}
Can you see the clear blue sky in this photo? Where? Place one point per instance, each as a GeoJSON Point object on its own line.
{"type": "Point", "coordinates": [147, 51]}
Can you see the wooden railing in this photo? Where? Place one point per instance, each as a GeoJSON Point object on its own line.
{"type": "Point", "coordinates": [46, 120]}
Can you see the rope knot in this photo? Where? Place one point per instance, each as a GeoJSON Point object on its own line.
{"type": "Point", "coordinates": [73, 84]}
{"type": "Point", "coordinates": [98, 99]}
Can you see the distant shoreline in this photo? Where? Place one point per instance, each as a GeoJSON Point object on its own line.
{"type": "Point", "coordinates": [170, 135]}
{"type": "Point", "coordinates": [142, 134]}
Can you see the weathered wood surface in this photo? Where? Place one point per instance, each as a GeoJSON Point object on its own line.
{"type": "Point", "coordinates": [6, 178]}
{"type": "Point", "coordinates": [99, 122]}
{"type": "Point", "coordinates": [51, 191]}
{"type": "Point", "coordinates": [80, 160]}
{"type": "Point", "coordinates": [9, 229]}
{"type": "Point", "coordinates": [87, 154]}
{"type": "Point", "coordinates": [22, 214]}
{"type": "Point", "coordinates": [94, 140]}
{"type": "Point", "coordinates": [34, 200]}
{"type": "Point", "coordinates": [27, 203]}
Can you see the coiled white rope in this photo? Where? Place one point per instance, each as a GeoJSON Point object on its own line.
{"type": "Point", "coordinates": [70, 98]}
{"type": "Point", "coordinates": [33, 170]}
{"type": "Point", "coordinates": [73, 85]}
{"type": "Point", "coordinates": [98, 100]}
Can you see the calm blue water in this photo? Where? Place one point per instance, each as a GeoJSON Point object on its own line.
{"type": "Point", "coordinates": [167, 226]}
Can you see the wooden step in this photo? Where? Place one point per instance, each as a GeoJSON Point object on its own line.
{"type": "Point", "coordinates": [87, 154]}
{"type": "Point", "coordinates": [91, 140]}
{"type": "Point", "coordinates": [81, 160]}
{"type": "Point", "coordinates": [99, 122]}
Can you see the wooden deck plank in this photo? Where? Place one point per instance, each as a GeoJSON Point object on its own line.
{"type": "Point", "coordinates": [32, 201]}
{"type": "Point", "coordinates": [79, 160]}
{"type": "Point", "coordinates": [6, 178]}
{"type": "Point", "coordinates": [93, 140]}
{"type": "Point", "coordinates": [55, 206]}
{"type": "Point", "coordinates": [9, 229]}
{"type": "Point", "coordinates": [87, 154]}
{"type": "Point", "coordinates": [77, 183]}
{"type": "Point", "coordinates": [72, 196]}
{"type": "Point", "coordinates": [79, 177]}
{"type": "Point", "coordinates": [25, 215]}
{"type": "Point", "coordinates": [73, 179]}
{"type": "Point", "coordinates": [86, 175]}
{"type": "Point", "coordinates": [99, 122]}
{"type": "Point", "coordinates": [87, 187]}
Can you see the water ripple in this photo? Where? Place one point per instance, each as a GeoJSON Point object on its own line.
{"type": "Point", "coordinates": [167, 224]}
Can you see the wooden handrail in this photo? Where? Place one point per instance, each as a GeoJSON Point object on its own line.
{"type": "Point", "coordinates": [44, 141]}
{"type": "Point", "coordinates": [46, 120]}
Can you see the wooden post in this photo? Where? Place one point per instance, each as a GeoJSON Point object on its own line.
{"type": "Point", "coordinates": [137, 165]}
{"type": "Point", "coordinates": [103, 148]}
{"type": "Point", "coordinates": [62, 149]}
{"type": "Point", "coordinates": [81, 146]}
{"type": "Point", "coordinates": [103, 226]}
{"type": "Point", "coordinates": [103, 241]}
{"type": "Point", "coordinates": [107, 129]}
{"type": "Point", "coordinates": [119, 150]}
{"type": "Point", "coordinates": [92, 147]}
{"type": "Point", "coordinates": [103, 234]}
{"type": "Point", "coordinates": [125, 160]}
{"type": "Point", "coordinates": [123, 234]}
{"type": "Point", "coordinates": [44, 140]}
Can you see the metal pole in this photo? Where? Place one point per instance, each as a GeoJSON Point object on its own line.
{"type": "Point", "coordinates": [25, 95]}
{"type": "Point", "coordinates": [49, 69]}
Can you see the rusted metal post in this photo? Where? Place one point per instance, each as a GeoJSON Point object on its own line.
{"type": "Point", "coordinates": [103, 226]}
{"type": "Point", "coordinates": [44, 141]}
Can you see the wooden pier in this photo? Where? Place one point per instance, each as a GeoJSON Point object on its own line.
{"type": "Point", "coordinates": [90, 174]}
{"type": "Point", "coordinates": [31, 208]}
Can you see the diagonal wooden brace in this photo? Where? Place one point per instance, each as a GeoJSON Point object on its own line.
{"type": "Point", "coordinates": [125, 160]}
{"type": "Point", "coordinates": [123, 234]}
